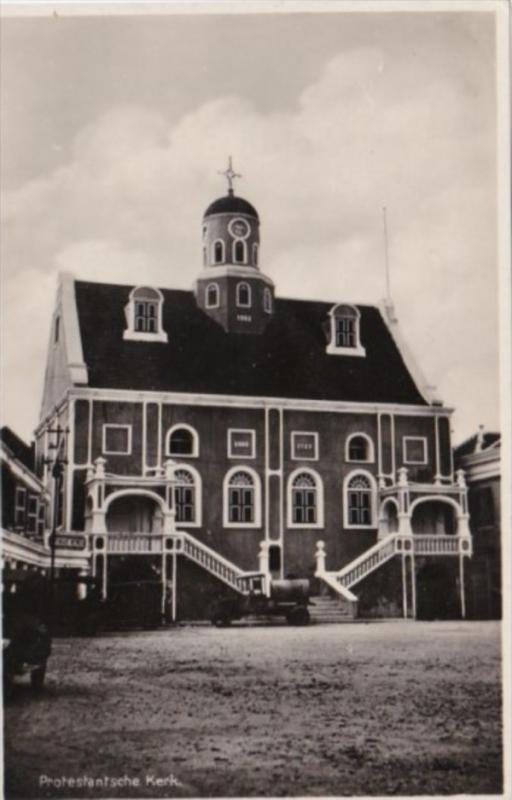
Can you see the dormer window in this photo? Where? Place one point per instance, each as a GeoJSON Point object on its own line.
{"type": "Point", "coordinates": [344, 331]}
{"type": "Point", "coordinates": [218, 252]}
{"type": "Point", "coordinates": [239, 252]}
{"type": "Point", "coordinates": [144, 315]}
{"type": "Point", "coordinates": [243, 295]}
{"type": "Point", "coordinates": [212, 295]}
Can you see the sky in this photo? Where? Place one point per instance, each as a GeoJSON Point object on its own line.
{"type": "Point", "coordinates": [115, 129]}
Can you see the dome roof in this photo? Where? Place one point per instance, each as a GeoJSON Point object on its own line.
{"type": "Point", "coordinates": [231, 204]}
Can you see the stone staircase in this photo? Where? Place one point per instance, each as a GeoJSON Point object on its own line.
{"type": "Point", "coordinates": [325, 610]}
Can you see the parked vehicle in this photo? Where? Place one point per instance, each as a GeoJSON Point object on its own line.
{"type": "Point", "coordinates": [289, 598]}
{"type": "Point", "coordinates": [26, 639]}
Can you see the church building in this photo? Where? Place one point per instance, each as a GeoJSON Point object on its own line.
{"type": "Point", "coordinates": [218, 439]}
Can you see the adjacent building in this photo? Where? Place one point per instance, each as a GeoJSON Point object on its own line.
{"type": "Point", "coordinates": [25, 510]}
{"type": "Point", "coordinates": [480, 458]}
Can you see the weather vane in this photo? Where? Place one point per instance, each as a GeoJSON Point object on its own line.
{"type": "Point", "coordinates": [230, 174]}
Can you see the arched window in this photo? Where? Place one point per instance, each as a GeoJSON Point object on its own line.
{"type": "Point", "coordinates": [184, 496]}
{"type": "Point", "coordinates": [345, 331]}
{"type": "Point", "coordinates": [267, 301]}
{"type": "Point", "coordinates": [144, 315]}
{"type": "Point", "coordinates": [359, 501]}
{"type": "Point", "coordinates": [305, 500]}
{"type": "Point", "coordinates": [182, 440]}
{"type": "Point", "coordinates": [218, 251]}
{"type": "Point", "coordinates": [255, 253]}
{"type": "Point", "coordinates": [243, 295]}
{"type": "Point", "coordinates": [239, 252]}
{"type": "Point", "coordinates": [241, 498]}
{"type": "Point", "coordinates": [212, 295]}
{"type": "Point", "coordinates": [359, 448]}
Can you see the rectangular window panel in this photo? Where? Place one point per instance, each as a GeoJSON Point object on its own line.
{"type": "Point", "coordinates": [32, 513]}
{"type": "Point", "coordinates": [359, 508]}
{"type": "Point", "coordinates": [117, 439]}
{"type": "Point", "coordinates": [20, 501]}
{"type": "Point", "coordinates": [241, 443]}
{"type": "Point", "coordinates": [415, 450]}
{"type": "Point", "coordinates": [184, 504]}
{"type": "Point", "coordinates": [345, 332]}
{"type": "Point", "coordinates": [241, 505]}
{"type": "Point", "coordinates": [41, 517]}
{"type": "Point", "coordinates": [303, 507]}
{"type": "Point", "coordinates": [304, 446]}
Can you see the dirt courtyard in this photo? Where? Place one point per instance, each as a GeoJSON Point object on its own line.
{"type": "Point", "coordinates": [369, 708]}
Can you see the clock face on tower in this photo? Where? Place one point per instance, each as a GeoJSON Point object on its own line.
{"type": "Point", "coordinates": [239, 228]}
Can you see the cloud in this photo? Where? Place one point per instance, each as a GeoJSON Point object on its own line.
{"type": "Point", "coordinates": [372, 130]}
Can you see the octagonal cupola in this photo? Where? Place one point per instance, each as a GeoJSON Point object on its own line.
{"type": "Point", "coordinates": [231, 288]}
{"type": "Point", "coordinates": [231, 232]}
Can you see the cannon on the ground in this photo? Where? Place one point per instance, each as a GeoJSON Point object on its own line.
{"type": "Point", "coordinates": [288, 598]}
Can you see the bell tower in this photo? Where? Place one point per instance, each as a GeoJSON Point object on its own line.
{"type": "Point", "coordinates": [230, 288]}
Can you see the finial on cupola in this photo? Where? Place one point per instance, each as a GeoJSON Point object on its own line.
{"type": "Point", "coordinates": [230, 175]}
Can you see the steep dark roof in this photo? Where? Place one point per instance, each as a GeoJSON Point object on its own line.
{"type": "Point", "coordinates": [469, 446]}
{"type": "Point", "coordinates": [19, 448]}
{"type": "Point", "coordinates": [287, 360]}
{"type": "Point", "coordinates": [231, 204]}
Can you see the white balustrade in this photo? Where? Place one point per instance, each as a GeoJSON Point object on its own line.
{"type": "Point", "coordinates": [436, 544]}
{"type": "Point", "coordinates": [393, 544]}
{"type": "Point", "coordinates": [133, 543]}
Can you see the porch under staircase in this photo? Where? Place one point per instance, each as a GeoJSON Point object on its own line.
{"type": "Point", "coordinates": [339, 583]}
{"type": "Point", "coordinates": [182, 543]}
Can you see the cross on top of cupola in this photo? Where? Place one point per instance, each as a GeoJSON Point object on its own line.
{"type": "Point", "coordinates": [230, 175]}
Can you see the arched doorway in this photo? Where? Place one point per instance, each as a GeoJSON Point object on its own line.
{"type": "Point", "coordinates": [389, 518]}
{"type": "Point", "coordinates": [134, 514]}
{"type": "Point", "coordinates": [434, 517]}
{"type": "Point", "coordinates": [134, 582]}
{"type": "Point", "coordinates": [436, 592]}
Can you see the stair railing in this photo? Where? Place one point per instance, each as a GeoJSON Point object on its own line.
{"type": "Point", "coordinates": [219, 566]}
{"type": "Point", "coordinates": [342, 580]}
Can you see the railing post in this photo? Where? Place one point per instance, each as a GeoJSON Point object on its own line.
{"type": "Point", "coordinates": [174, 588]}
{"type": "Point", "coordinates": [99, 470]}
{"type": "Point", "coordinates": [413, 583]}
{"type": "Point", "coordinates": [462, 587]}
{"type": "Point", "coordinates": [263, 565]}
{"type": "Point", "coordinates": [320, 556]}
{"type": "Point", "coordinates": [164, 582]}
{"type": "Point", "coordinates": [404, 585]}
{"type": "Point", "coordinates": [403, 480]}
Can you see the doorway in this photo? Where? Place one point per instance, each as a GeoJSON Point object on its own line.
{"type": "Point", "coordinates": [436, 593]}
{"type": "Point", "coordinates": [134, 597]}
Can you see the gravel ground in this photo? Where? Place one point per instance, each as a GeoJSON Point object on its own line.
{"type": "Point", "coordinates": [379, 708]}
